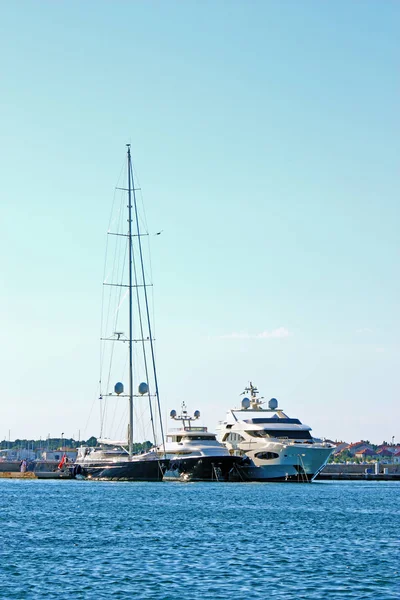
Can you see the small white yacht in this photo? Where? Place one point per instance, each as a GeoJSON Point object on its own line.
{"type": "Point", "coordinates": [194, 454]}
{"type": "Point", "coordinates": [275, 447]}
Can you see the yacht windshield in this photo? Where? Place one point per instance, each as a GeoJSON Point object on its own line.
{"type": "Point", "coordinates": [275, 419]}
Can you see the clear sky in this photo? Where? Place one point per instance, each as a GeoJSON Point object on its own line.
{"type": "Point", "coordinates": [266, 139]}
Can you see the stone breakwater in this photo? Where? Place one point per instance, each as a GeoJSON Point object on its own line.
{"type": "Point", "coordinates": [372, 471]}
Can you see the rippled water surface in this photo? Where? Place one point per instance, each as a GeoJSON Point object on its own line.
{"type": "Point", "coordinates": [78, 539]}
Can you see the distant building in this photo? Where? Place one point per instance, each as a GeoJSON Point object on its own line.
{"type": "Point", "coordinates": [17, 454]}
{"type": "Point", "coordinates": [340, 446]}
{"type": "Point", "coordinates": [58, 454]}
{"type": "Point", "coordinates": [396, 457]}
{"type": "Point", "coordinates": [365, 453]}
{"type": "Point", "coordinates": [391, 449]}
{"type": "Point", "coordinates": [384, 453]}
{"type": "Point", "coordinates": [358, 447]}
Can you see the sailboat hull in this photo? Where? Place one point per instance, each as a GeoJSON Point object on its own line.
{"type": "Point", "coordinates": [138, 470]}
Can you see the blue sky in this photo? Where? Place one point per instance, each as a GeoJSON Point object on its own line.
{"type": "Point", "coordinates": [266, 139]}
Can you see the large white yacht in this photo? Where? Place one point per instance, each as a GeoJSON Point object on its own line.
{"type": "Point", "coordinates": [275, 447]}
{"type": "Point", "coordinates": [194, 454]}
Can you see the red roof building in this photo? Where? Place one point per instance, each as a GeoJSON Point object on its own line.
{"type": "Point", "coordinates": [340, 447]}
{"type": "Point", "coordinates": [365, 452]}
{"type": "Point", "coordinates": [384, 452]}
{"type": "Point", "coordinates": [358, 446]}
{"type": "Point", "coordinates": [396, 457]}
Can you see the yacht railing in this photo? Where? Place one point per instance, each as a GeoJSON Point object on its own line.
{"type": "Point", "coordinates": [203, 429]}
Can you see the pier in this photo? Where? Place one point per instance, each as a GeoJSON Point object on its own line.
{"type": "Point", "coordinates": [360, 472]}
{"type": "Point", "coordinates": [17, 475]}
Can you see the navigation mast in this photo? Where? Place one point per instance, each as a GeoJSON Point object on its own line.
{"type": "Point", "coordinates": [144, 388]}
{"type": "Point", "coordinates": [130, 432]}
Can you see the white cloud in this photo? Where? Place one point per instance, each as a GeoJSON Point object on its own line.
{"type": "Point", "coordinates": [280, 332]}
{"type": "Point", "coordinates": [380, 350]}
{"type": "Point", "coordinates": [364, 330]}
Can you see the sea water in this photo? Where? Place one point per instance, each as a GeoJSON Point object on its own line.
{"type": "Point", "coordinates": [93, 540]}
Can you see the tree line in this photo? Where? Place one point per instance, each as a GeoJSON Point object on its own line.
{"type": "Point", "coordinates": [58, 443]}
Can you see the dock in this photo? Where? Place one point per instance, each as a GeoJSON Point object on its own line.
{"type": "Point", "coordinates": [35, 475]}
{"type": "Point", "coordinates": [358, 477]}
{"type": "Point", "coordinates": [17, 475]}
{"type": "Point", "coordinates": [359, 472]}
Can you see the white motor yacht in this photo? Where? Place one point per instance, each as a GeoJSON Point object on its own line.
{"type": "Point", "coordinates": [194, 454]}
{"type": "Point", "coordinates": [275, 447]}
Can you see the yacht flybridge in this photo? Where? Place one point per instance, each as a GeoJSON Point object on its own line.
{"type": "Point", "coordinates": [275, 446]}
{"type": "Point", "coordinates": [194, 453]}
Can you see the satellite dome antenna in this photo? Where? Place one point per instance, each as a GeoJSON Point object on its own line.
{"type": "Point", "coordinates": [184, 416]}
{"type": "Point", "coordinates": [273, 403]}
{"type": "Point", "coordinates": [119, 388]}
{"type": "Point", "coordinates": [245, 403]}
{"type": "Point", "coordinates": [143, 388]}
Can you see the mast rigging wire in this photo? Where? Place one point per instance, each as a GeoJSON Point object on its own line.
{"type": "Point", "coordinates": [147, 309]}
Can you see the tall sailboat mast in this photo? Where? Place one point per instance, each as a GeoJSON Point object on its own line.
{"type": "Point", "coordinates": [130, 432]}
{"type": "Point", "coordinates": [127, 274]}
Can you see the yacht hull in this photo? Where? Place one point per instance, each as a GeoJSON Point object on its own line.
{"type": "Point", "coordinates": [139, 470]}
{"type": "Point", "coordinates": [271, 473]}
{"type": "Point", "coordinates": [297, 465]}
{"type": "Point", "coordinates": [204, 468]}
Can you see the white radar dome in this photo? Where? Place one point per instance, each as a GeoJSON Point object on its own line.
{"type": "Point", "coordinates": [118, 388]}
{"type": "Point", "coordinates": [143, 388]}
{"type": "Point", "coordinates": [273, 403]}
{"type": "Point", "coordinates": [245, 403]}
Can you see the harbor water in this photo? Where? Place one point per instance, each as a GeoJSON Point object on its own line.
{"type": "Point", "coordinates": [105, 540]}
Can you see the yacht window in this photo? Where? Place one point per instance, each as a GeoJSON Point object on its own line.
{"type": "Point", "coordinates": [274, 419]}
{"type": "Point", "coordinates": [198, 437]}
{"type": "Point", "coordinates": [294, 434]}
{"type": "Point", "coordinates": [174, 438]}
{"type": "Point", "coordinates": [235, 437]}
{"type": "Point", "coordinates": [267, 455]}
